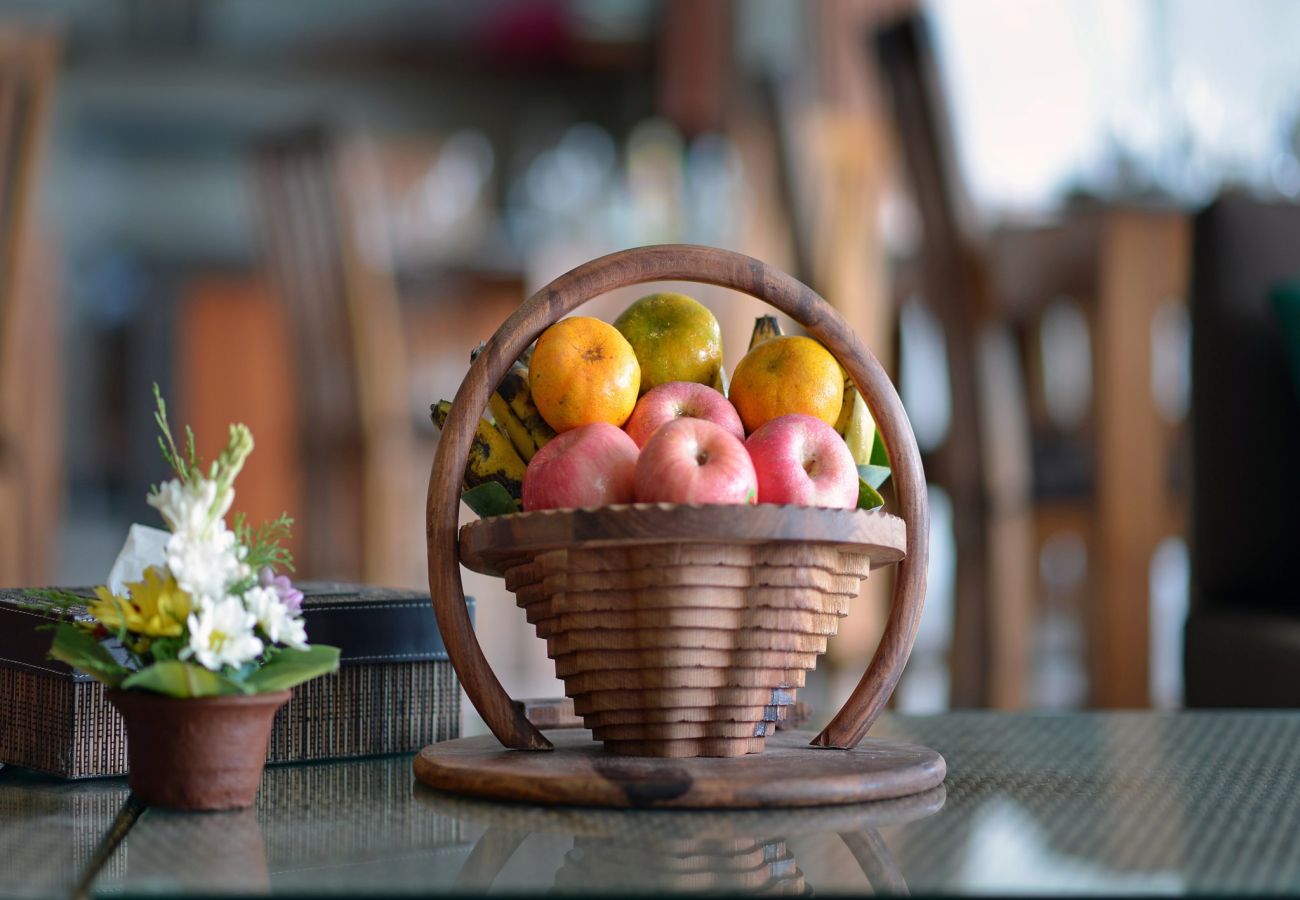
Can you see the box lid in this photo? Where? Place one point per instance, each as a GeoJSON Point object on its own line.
{"type": "Point", "coordinates": [370, 625]}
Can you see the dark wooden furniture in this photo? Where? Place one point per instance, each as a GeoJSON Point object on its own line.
{"type": "Point", "coordinates": [1243, 633]}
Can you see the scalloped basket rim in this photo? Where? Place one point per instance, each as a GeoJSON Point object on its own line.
{"type": "Point", "coordinates": [482, 540]}
{"type": "Point", "coordinates": [879, 512]}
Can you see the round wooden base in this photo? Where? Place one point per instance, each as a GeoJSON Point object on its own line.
{"type": "Point", "coordinates": [579, 773]}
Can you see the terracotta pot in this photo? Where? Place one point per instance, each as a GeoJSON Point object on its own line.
{"type": "Point", "coordinates": [205, 753]}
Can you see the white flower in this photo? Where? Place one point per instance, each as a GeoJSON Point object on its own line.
{"type": "Point", "coordinates": [203, 555]}
{"type": "Point", "coordinates": [221, 634]}
{"type": "Point", "coordinates": [206, 565]}
{"type": "Point", "coordinates": [274, 618]}
{"type": "Point", "coordinates": [190, 509]}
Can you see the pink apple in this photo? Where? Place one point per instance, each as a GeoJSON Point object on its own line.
{"type": "Point", "coordinates": [803, 461]}
{"type": "Point", "coordinates": [694, 461]}
{"type": "Point", "coordinates": [591, 465]}
{"type": "Point", "coordinates": [678, 399]}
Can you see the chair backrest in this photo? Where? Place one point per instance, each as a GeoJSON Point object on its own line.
{"type": "Point", "coordinates": [1245, 418]}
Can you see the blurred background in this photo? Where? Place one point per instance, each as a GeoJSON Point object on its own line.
{"type": "Point", "coordinates": [1068, 228]}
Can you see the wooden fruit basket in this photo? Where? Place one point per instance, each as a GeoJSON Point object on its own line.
{"type": "Point", "coordinates": [680, 631]}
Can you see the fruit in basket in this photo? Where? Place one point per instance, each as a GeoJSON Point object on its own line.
{"type": "Point", "coordinates": [675, 338]}
{"type": "Point", "coordinates": [492, 458]}
{"type": "Point", "coordinates": [583, 371]}
{"type": "Point", "coordinates": [591, 465]}
{"type": "Point", "coordinates": [677, 400]}
{"type": "Point", "coordinates": [695, 461]}
{"type": "Point", "coordinates": [785, 375]}
{"type": "Point", "coordinates": [765, 328]}
{"type": "Point", "coordinates": [801, 460]}
{"type": "Point", "coordinates": [514, 410]}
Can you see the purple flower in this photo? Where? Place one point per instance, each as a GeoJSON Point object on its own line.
{"type": "Point", "coordinates": [290, 596]}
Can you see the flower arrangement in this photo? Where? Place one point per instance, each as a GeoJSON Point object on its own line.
{"type": "Point", "coordinates": [211, 614]}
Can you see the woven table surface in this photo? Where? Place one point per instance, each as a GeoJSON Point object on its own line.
{"type": "Point", "coordinates": [1092, 803]}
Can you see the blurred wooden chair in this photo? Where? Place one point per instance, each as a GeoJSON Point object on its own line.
{"type": "Point", "coordinates": [31, 407]}
{"type": "Point", "coordinates": [989, 292]}
{"type": "Point", "coordinates": [348, 344]}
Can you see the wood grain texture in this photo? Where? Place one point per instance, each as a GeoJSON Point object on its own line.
{"type": "Point", "coordinates": [557, 299]}
{"type": "Point", "coordinates": [491, 545]}
{"type": "Point", "coordinates": [578, 773]}
{"type": "Point", "coordinates": [573, 591]}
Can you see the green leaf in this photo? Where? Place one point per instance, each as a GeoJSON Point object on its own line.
{"type": "Point", "coordinates": [490, 499]}
{"type": "Point", "coordinates": [868, 497]}
{"type": "Point", "coordinates": [879, 456]}
{"type": "Point", "coordinates": [183, 680]}
{"type": "Point", "coordinates": [874, 475]}
{"type": "Point", "coordinates": [81, 651]}
{"type": "Point", "coordinates": [289, 667]}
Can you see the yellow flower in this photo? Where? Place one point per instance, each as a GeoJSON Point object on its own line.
{"type": "Point", "coordinates": [156, 607]}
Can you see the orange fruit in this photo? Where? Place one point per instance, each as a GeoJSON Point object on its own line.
{"type": "Point", "coordinates": [784, 375]}
{"type": "Point", "coordinates": [675, 337]}
{"type": "Point", "coordinates": [583, 371]}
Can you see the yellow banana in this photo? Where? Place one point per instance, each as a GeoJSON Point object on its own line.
{"type": "Point", "coordinates": [491, 455]}
{"type": "Point", "coordinates": [513, 407]}
{"type": "Point", "coordinates": [514, 411]}
{"type": "Point", "coordinates": [859, 429]}
{"type": "Point", "coordinates": [846, 406]}
{"type": "Point", "coordinates": [765, 328]}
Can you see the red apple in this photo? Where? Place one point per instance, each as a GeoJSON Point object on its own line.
{"type": "Point", "coordinates": [803, 461]}
{"type": "Point", "coordinates": [678, 399]}
{"type": "Point", "coordinates": [694, 461]}
{"type": "Point", "coordinates": [591, 465]}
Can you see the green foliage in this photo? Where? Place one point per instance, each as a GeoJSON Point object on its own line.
{"type": "Point", "coordinates": [183, 680]}
{"type": "Point", "coordinates": [54, 601]}
{"type": "Point", "coordinates": [879, 455]}
{"type": "Point", "coordinates": [868, 496]}
{"type": "Point", "coordinates": [227, 465]}
{"type": "Point", "coordinates": [263, 542]}
{"type": "Point", "coordinates": [490, 499]}
{"type": "Point", "coordinates": [74, 646]}
{"type": "Point", "coordinates": [185, 466]}
{"type": "Point", "coordinates": [285, 668]}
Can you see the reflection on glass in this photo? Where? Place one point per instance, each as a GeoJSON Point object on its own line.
{"type": "Point", "coordinates": [653, 851]}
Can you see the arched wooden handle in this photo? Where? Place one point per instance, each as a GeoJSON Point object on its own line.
{"type": "Point", "coordinates": [707, 265]}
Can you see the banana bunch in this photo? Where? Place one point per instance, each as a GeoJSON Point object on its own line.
{"type": "Point", "coordinates": [514, 411]}
{"type": "Point", "coordinates": [502, 445]}
{"type": "Point", "coordinates": [516, 414]}
{"type": "Point", "coordinates": [492, 457]}
{"type": "Point", "coordinates": [765, 328]}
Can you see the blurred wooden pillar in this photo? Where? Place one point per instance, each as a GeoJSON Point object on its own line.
{"type": "Point", "coordinates": [1145, 260]}
{"type": "Point", "coordinates": [255, 384]}
{"type": "Point", "coordinates": [31, 419]}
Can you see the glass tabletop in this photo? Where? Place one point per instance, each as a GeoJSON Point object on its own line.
{"type": "Point", "coordinates": [1104, 803]}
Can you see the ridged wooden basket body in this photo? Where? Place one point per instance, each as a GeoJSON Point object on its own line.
{"type": "Point", "coordinates": [684, 630]}
{"type": "Point", "coordinates": [680, 631]}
